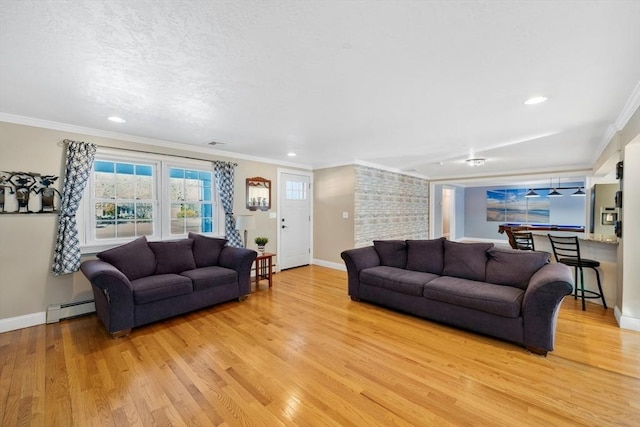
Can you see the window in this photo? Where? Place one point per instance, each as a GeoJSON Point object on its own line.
{"type": "Point", "coordinates": [124, 199]}
{"type": "Point", "coordinates": [190, 195]}
{"type": "Point", "coordinates": [295, 190]}
{"type": "Point", "coordinates": [132, 196]}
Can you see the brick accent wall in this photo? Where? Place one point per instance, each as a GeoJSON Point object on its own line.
{"type": "Point", "coordinates": [389, 205]}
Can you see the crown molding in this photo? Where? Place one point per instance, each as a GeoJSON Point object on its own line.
{"type": "Point", "coordinates": [65, 127]}
{"type": "Point", "coordinates": [630, 107]}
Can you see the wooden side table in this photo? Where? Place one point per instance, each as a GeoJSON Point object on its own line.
{"type": "Point", "coordinates": [264, 268]}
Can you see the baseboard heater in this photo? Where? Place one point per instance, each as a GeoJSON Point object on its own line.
{"type": "Point", "coordinates": [57, 312]}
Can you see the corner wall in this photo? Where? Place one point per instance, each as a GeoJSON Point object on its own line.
{"type": "Point", "coordinates": [333, 195]}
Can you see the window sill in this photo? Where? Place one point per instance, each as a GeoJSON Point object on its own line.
{"type": "Point", "coordinates": [93, 249]}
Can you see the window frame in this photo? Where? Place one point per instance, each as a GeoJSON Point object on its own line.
{"type": "Point", "coordinates": [162, 204]}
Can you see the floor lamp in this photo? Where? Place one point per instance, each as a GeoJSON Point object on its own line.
{"type": "Point", "coordinates": [245, 222]}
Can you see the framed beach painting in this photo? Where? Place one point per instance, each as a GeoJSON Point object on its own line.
{"type": "Point", "coordinates": [511, 205]}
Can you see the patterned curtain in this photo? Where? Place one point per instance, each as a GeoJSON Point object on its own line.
{"type": "Point", "coordinates": [224, 180]}
{"type": "Point", "coordinates": [66, 257]}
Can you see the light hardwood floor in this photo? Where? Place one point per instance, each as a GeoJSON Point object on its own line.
{"type": "Point", "coordinates": [304, 354]}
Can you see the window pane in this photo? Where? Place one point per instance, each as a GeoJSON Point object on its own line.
{"type": "Point", "coordinates": [144, 228]}
{"type": "Point", "coordinates": [105, 230]}
{"type": "Point", "coordinates": [105, 211]}
{"type": "Point", "coordinates": [124, 168]}
{"type": "Point", "coordinates": [125, 229]}
{"type": "Point", "coordinates": [176, 189]}
{"type": "Point", "coordinates": [125, 211]}
{"type": "Point", "coordinates": [177, 226]}
{"type": "Point", "coordinates": [295, 190]}
{"type": "Point", "coordinates": [105, 185]}
{"type": "Point", "coordinates": [144, 211]}
{"type": "Point", "coordinates": [144, 187]}
{"type": "Point", "coordinates": [207, 225]}
{"type": "Point", "coordinates": [192, 190]}
{"type": "Point", "coordinates": [193, 224]}
{"type": "Point", "coordinates": [125, 186]}
{"type": "Point", "coordinates": [144, 170]}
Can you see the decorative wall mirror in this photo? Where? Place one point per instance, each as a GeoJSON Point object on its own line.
{"type": "Point", "coordinates": [258, 194]}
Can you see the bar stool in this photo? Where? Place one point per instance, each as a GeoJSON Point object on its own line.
{"type": "Point", "coordinates": [567, 251]}
{"type": "Point", "coordinates": [523, 241]}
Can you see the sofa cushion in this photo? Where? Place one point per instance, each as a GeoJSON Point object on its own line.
{"type": "Point", "coordinates": [392, 253]}
{"type": "Point", "coordinates": [513, 267]}
{"type": "Point", "coordinates": [465, 260]}
{"type": "Point", "coordinates": [134, 259]}
{"type": "Point", "coordinates": [160, 286]}
{"type": "Point", "coordinates": [425, 255]}
{"type": "Point", "coordinates": [206, 250]}
{"type": "Point", "coordinates": [500, 300]}
{"type": "Point", "coordinates": [209, 277]}
{"type": "Point", "coordinates": [173, 257]}
{"type": "Point", "coordinates": [396, 279]}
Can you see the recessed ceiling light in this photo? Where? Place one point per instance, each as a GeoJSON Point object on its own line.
{"type": "Point", "coordinates": [535, 100]}
{"type": "Point", "coordinates": [291, 154]}
{"type": "Point", "coordinates": [116, 119]}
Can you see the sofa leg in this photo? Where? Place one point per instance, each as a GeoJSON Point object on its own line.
{"type": "Point", "coordinates": [354, 298]}
{"type": "Point", "coordinates": [243, 297]}
{"type": "Point", "coordinates": [121, 334]}
{"type": "Point", "coordinates": [537, 350]}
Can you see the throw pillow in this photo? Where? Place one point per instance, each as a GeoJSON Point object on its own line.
{"type": "Point", "coordinates": [465, 260]}
{"type": "Point", "coordinates": [173, 257]}
{"type": "Point", "coordinates": [392, 253]}
{"type": "Point", "coordinates": [206, 250]}
{"type": "Point", "coordinates": [426, 256]}
{"type": "Point", "coordinates": [513, 267]}
{"type": "Point", "coordinates": [134, 259]}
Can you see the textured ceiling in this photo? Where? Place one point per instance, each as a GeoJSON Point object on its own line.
{"type": "Point", "coordinates": [401, 84]}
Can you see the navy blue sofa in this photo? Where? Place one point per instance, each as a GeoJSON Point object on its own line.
{"type": "Point", "coordinates": [143, 282]}
{"type": "Point", "coordinates": [508, 294]}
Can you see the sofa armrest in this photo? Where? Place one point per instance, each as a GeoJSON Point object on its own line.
{"type": "Point", "coordinates": [240, 260]}
{"type": "Point", "coordinates": [357, 260]}
{"type": "Point", "coordinates": [541, 302]}
{"type": "Point", "coordinates": [113, 294]}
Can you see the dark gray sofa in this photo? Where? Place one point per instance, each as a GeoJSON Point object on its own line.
{"type": "Point", "coordinates": [143, 282]}
{"type": "Point", "coordinates": [508, 294]}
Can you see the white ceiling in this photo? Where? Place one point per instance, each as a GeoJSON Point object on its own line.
{"type": "Point", "coordinates": [400, 84]}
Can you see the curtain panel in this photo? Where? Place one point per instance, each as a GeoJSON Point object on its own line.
{"type": "Point", "coordinates": [66, 257]}
{"type": "Point", "coordinates": [224, 172]}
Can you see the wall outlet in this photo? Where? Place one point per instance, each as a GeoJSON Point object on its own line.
{"type": "Point", "coordinates": [272, 215]}
{"type": "Point", "coordinates": [345, 215]}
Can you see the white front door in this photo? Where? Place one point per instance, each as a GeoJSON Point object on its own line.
{"type": "Point", "coordinates": [294, 222]}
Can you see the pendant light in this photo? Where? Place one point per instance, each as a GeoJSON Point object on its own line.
{"type": "Point", "coordinates": [531, 193]}
{"type": "Point", "coordinates": [554, 192]}
{"type": "Point", "coordinates": [579, 192]}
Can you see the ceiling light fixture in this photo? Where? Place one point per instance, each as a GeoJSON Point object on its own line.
{"type": "Point", "coordinates": [291, 154]}
{"type": "Point", "coordinates": [531, 193]}
{"type": "Point", "coordinates": [535, 100]}
{"type": "Point", "coordinates": [579, 192]}
{"type": "Point", "coordinates": [554, 191]}
{"type": "Point", "coordinates": [116, 119]}
{"type": "Point", "coordinates": [475, 163]}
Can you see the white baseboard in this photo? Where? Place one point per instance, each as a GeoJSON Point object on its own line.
{"type": "Point", "coordinates": [626, 322]}
{"type": "Point", "coordinates": [24, 321]}
{"type": "Point", "coordinates": [329, 264]}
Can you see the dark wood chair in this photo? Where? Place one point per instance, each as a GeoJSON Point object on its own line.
{"type": "Point", "coordinates": [566, 249]}
{"type": "Point", "coordinates": [523, 240]}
